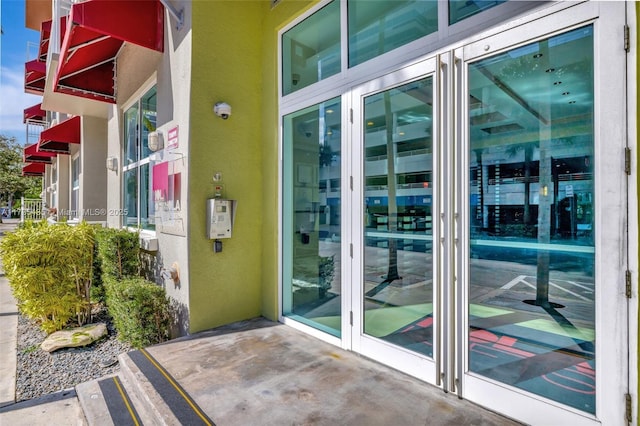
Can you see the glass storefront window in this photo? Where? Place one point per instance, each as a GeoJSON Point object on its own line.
{"type": "Point", "coordinates": [377, 27]}
{"type": "Point", "coordinates": [131, 135]}
{"type": "Point", "coordinates": [311, 216]}
{"type": "Point", "coordinates": [139, 120]}
{"type": "Point", "coordinates": [462, 9]}
{"type": "Point", "coordinates": [130, 197]}
{"type": "Point", "coordinates": [476, 204]}
{"type": "Point", "coordinates": [149, 108]}
{"type": "Point", "coordinates": [311, 49]}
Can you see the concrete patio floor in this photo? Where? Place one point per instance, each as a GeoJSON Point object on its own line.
{"type": "Point", "coordinates": [260, 372]}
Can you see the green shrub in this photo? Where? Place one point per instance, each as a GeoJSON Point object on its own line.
{"type": "Point", "coordinates": [97, 289]}
{"type": "Point", "coordinates": [119, 253]}
{"type": "Point", "coordinates": [49, 269]}
{"type": "Point", "coordinates": [327, 271]}
{"type": "Point", "coordinates": [140, 310]}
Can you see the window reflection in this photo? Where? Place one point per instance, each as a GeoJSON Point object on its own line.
{"type": "Point", "coordinates": [462, 9]}
{"type": "Point", "coordinates": [531, 278]}
{"type": "Point", "coordinates": [398, 284]}
{"type": "Point", "coordinates": [311, 49]}
{"type": "Point", "coordinates": [377, 27]}
{"type": "Point", "coordinates": [312, 284]}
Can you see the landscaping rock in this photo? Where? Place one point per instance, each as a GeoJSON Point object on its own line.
{"type": "Point", "coordinates": [40, 373]}
{"type": "Point", "coordinates": [80, 336]}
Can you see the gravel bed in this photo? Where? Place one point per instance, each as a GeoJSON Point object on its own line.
{"type": "Point", "coordinates": [40, 373]}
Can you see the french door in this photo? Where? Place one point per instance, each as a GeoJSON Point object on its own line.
{"type": "Point", "coordinates": [487, 215]}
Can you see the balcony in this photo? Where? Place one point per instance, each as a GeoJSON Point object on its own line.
{"type": "Point", "coordinates": [34, 77]}
{"type": "Point", "coordinates": [81, 73]}
{"type": "Point", "coordinates": [33, 169]}
{"type": "Point", "coordinates": [32, 155]}
{"type": "Point", "coordinates": [56, 139]}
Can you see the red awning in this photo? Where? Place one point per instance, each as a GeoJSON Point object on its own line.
{"type": "Point", "coordinates": [96, 30]}
{"type": "Point", "coordinates": [34, 112]}
{"type": "Point", "coordinates": [34, 77]}
{"type": "Point", "coordinates": [57, 138]}
{"type": "Point", "coordinates": [31, 155]}
{"type": "Point", "coordinates": [33, 169]}
{"type": "Point", "coordinates": [45, 35]}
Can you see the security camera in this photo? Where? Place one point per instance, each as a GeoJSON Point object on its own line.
{"type": "Point", "coordinates": [222, 110]}
{"type": "Point", "coordinates": [305, 129]}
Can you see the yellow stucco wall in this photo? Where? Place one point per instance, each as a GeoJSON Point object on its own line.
{"type": "Point", "coordinates": [235, 60]}
{"type": "Point", "coordinates": [226, 60]}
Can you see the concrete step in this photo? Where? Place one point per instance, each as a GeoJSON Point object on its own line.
{"type": "Point", "coordinates": [145, 401]}
{"type": "Point", "coordinates": [93, 403]}
{"type": "Point", "coordinates": [150, 405]}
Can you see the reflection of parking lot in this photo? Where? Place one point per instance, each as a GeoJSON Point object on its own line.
{"type": "Point", "coordinates": [499, 275]}
{"type": "Point", "coordinates": [510, 285]}
{"type": "Point", "coordinates": [565, 289]}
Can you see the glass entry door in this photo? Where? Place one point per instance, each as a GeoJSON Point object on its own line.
{"type": "Point", "coordinates": [531, 268]}
{"type": "Point", "coordinates": [488, 216]}
{"type": "Point", "coordinates": [544, 205]}
{"type": "Point", "coordinates": [394, 176]}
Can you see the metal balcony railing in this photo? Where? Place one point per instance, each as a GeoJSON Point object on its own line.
{"type": "Point", "coordinates": [34, 128]}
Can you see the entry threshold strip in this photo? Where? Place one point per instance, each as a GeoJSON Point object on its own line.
{"type": "Point", "coordinates": [121, 410]}
{"type": "Point", "coordinates": [177, 399]}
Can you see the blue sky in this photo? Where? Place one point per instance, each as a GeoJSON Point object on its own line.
{"type": "Point", "coordinates": [13, 55]}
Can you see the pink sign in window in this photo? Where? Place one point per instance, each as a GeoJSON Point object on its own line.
{"type": "Point", "coordinates": [161, 182]}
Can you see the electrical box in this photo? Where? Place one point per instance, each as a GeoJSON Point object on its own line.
{"type": "Point", "coordinates": [220, 217]}
{"type": "Point", "coordinates": [148, 243]}
{"type": "Point", "coordinates": [112, 164]}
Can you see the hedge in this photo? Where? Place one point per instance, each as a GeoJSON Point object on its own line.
{"type": "Point", "coordinates": [140, 310]}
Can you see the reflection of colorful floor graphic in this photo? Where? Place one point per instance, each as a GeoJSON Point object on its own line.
{"type": "Point", "coordinates": [547, 356]}
{"type": "Point", "coordinates": [562, 368]}
{"type": "Point", "coordinates": [560, 374]}
{"type": "Point", "coordinates": [417, 336]}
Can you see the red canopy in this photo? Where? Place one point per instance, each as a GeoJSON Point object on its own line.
{"type": "Point", "coordinates": [57, 138]}
{"type": "Point", "coordinates": [96, 30]}
{"type": "Point", "coordinates": [33, 169]}
{"type": "Point", "coordinates": [31, 155]}
{"type": "Point", "coordinates": [45, 35]}
{"type": "Point", "coordinates": [34, 77]}
{"type": "Point", "coordinates": [34, 112]}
